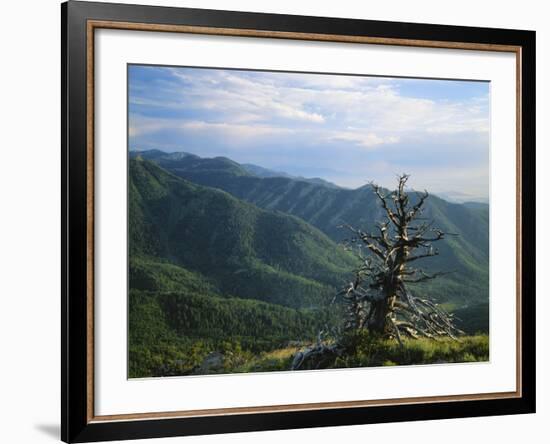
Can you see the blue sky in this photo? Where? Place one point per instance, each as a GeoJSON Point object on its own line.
{"type": "Point", "coordinates": [346, 129]}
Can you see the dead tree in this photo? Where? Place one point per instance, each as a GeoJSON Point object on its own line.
{"type": "Point", "coordinates": [378, 298]}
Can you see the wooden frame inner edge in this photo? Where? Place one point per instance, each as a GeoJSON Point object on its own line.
{"type": "Point", "coordinates": [94, 24]}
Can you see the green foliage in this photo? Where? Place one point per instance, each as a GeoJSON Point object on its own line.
{"type": "Point", "coordinates": [172, 333]}
{"type": "Point", "coordinates": [363, 349]}
{"type": "Point", "coordinates": [151, 342]}
{"type": "Point", "coordinates": [213, 317]}
{"type": "Point", "coordinates": [155, 274]}
{"type": "Point", "coordinates": [271, 361]}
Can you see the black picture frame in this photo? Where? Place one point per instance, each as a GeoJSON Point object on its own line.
{"type": "Point", "coordinates": [76, 423]}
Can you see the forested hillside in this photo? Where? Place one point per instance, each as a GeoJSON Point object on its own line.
{"type": "Point", "coordinates": [465, 252]}
{"type": "Point", "coordinates": [208, 271]}
{"type": "Point", "coordinates": [245, 251]}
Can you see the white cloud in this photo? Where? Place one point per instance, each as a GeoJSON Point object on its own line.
{"type": "Point", "coordinates": [363, 139]}
{"type": "Point", "coordinates": [329, 103]}
{"type": "Point", "coordinates": [238, 98]}
{"type": "Point", "coordinates": [146, 126]}
{"type": "Point", "coordinates": [240, 131]}
{"type": "Point", "coordinates": [139, 126]}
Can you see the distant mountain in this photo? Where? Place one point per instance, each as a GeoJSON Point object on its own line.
{"type": "Point", "coordinates": [259, 171]}
{"type": "Point", "coordinates": [231, 247]}
{"type": "Point", "coordinates": [466, 252]}
{"type": "Point", "coordinates": [186, 164]}
{"type": "Point", "coordinates": [158, 154]}
{"type": "Point", "coordinates": [461, 198]}
{"type": "Point", "coordinates": [477, 205]}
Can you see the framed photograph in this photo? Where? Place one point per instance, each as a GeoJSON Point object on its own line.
{"type": "Point", "coordinates": [275, 221]}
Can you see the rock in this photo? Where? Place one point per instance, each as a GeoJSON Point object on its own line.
{"type": "Point", "coordinates": [211, 363]}
{"type": "Point", "coordinates": [316, 357]}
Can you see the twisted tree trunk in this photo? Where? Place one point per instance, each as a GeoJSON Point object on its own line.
{"type": "Point", "coordinates": [378, 319]}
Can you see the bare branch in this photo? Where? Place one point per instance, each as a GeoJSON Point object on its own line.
{"type": "Point", "coordinates": [426, 277]}
{"type": "Point", "coordinates": [429, 253]}
{"type": "Point", "coordinates": [417, 208]}
{"type": "Point", "coordinates": [382, 198]}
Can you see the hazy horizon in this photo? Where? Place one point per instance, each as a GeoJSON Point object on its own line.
{"type": "Point", "coordinates": [348, 130]}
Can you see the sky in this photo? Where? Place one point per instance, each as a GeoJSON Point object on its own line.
{"type": "Point", "coordinates": [347, 129]}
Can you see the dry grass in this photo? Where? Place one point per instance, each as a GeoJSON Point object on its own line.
{"type": "Point", "coordinates": [367, 351]}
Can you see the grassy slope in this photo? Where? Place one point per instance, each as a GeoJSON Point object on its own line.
{"type": "Point", "coordinates": [366, 351]}
{"type": "Point", "coordinates": [373, 353]}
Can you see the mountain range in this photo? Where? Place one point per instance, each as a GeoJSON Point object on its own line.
{"type": "Point", "coordinates": [464, 253]}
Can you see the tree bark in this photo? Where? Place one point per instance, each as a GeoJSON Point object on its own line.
{"type": "Point", "coordinates": [378, 320]}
